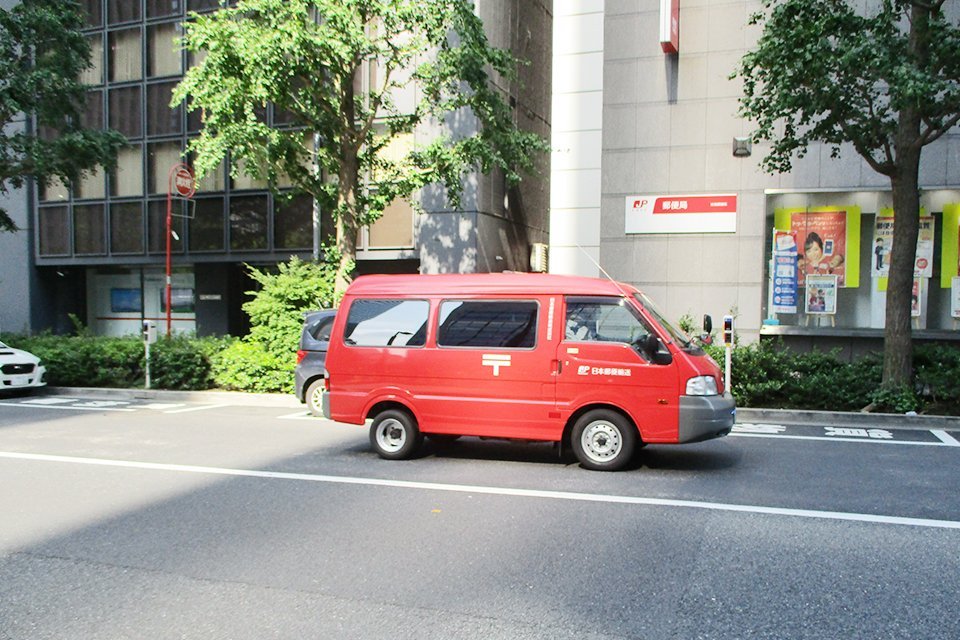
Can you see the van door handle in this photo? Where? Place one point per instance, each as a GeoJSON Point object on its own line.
{"type": "Point", "coordinates": [557, 366]}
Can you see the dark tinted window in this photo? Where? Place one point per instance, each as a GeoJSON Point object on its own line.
{"type": "Point", "coordinates": [321, 330]}
{"type": "Point", "coordinates": [487, 323]}
{"type": "Point", "coordinates": [382, 323]}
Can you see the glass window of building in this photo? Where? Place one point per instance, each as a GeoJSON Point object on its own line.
{"type": "Point", "coordinates": [125, 111]}
{"type": "Point", "coordinates": [91, 185]}
{"type": "Point", "coordinates": [395, 228]}
{"type": "Point", "coordinates": [92, 115]}
{"type": "Point", "coordinates": [202, 5]}
{"type": "Point", "coordinates": [54, 231]}
{"type": "Point", "coordinates": [127, 179]}
{"type": "Point", "coordinates": [53, 191]}
{"type": "Point", "coordinates": [93, 10]}
{"type": "Point", "coordinates": [126, 62]}
{"type": "Point", "coordinates": [243, 181]}
{"type": "Point", "coordinates": [163, 53]}
{"type": "Point", "coordinates": [161, 119]}
{"type": "Point", "coordinates": [161, 157]}
{"type": "Point", "coordinates": [213, 180]}
{"type": "Point", "coordinates": [126, 227]}
{"type": "Point", "coordinates": [157, 227]}
{"type": "Point", "coordinates": [206, 225]}
{"type": "Point", "coordinates": [163, 8]}
{"type": "Point", "coordinates": [119, 11]}
{"type": "Point", "coordinates": [293, 223]}
{"type": "Point", "coordinates": [89, 230]}
{"type": "Point", "coordinates": [248, 223]}
{"type": "Point", "coordinates": [93, 74]}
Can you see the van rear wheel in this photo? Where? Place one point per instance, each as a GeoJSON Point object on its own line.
{"type": "Point", "coordinates": [603, 440]}
{"type": "Point", "coordinates": [394, 434]}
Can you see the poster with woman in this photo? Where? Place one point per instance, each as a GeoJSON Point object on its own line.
{"type": "Point", "coordinates": [821, 294]}
{"type": "Point", "coordinates": [822, 242]}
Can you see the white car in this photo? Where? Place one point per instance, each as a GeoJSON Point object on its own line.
{"type": "Point", "coordinates": [20, 370]}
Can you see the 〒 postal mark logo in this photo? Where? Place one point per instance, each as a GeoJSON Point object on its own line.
{"type": "Point", "coordinates": [496, 361]}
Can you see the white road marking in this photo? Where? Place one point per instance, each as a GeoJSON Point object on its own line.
{"type": "Point", "coordinates": [200, 408]}
{"type": "Point", "coordinates": [300, 415]}
{"type": "Point", "coordinates": [833, 439]}
{"type": "Point", "coordinates": [158, 406]}
{"type": "Point", "coordinates": [497, 491]}
{"type": "Point", "coordinates": [69, 407]}
{"type": "Point", "coordinates": [945, 438]}
{"type": "Point", "coordinates": [49, 400]}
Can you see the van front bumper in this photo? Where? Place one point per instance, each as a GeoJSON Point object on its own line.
{"type": "Point", "coordinates": [706, 417]}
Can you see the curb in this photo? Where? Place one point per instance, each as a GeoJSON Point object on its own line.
{"type": "Point", "coordinates": [847, 419]}
{"type": "Point", "coordinates": [279, 400]}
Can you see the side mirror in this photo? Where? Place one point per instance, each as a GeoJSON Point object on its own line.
{"type": "Point", "coordinates": [707, 323]}
{"type": "Point", "coordinates": [651, 346]}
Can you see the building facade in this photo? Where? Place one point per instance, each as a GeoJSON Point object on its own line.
{"type": "Point", "coordinates": [96, 249]}
{"type": "Point", "coordinates": [653, 182]}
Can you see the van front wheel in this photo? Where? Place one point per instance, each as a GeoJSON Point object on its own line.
{"type": "Point", "coordinates": [394, 435]}
{"type": "Point", "coordinates": [603, 440]}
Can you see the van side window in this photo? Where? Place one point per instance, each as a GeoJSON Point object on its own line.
{"type": "Point", "coordinates": [593, 319]}
{"type": "Point", "coordinates": [494, 324]}
{"type": "Point", "coordinates": [387, 323]}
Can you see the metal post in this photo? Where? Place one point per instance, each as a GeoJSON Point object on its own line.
{"type": "Point", "coordinates": [168, 234]}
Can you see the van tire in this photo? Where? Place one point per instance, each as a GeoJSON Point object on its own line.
{"type": "Point", "coordinates": [314, 398]}
{"type": "Point", "coordinates": [394, 435]}
{"type": "Point", "coordinates": [603, 440]}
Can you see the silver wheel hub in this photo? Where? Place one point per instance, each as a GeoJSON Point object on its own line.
{"type": "Point", "coordinates": [601, 441]}
{"type": "Point", "coordinates": [391, 435]}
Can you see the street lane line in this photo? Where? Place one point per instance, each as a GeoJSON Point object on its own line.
{"type": "Point", "coordinates": [300, 415]}
{"type": "Point", "coordinates": [497, 491]}
{"type": "Point", "coordinates": [32, 405]}
{"type": "Point", "coordinates": [201, 408]}
{"type": "Point", "coordinates": [833, 439]}
{"type": "Point", "coordinates": [945, 437]}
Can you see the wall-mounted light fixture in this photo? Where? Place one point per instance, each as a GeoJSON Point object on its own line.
{"type": "Point", "coordinates": [742, 147]}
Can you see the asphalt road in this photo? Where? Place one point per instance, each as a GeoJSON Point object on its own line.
{"type": "Point", "coordinates": [152, 519]}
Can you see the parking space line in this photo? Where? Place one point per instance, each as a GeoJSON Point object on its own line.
{"type": "Point", "coordinates": [33, 405]}
{"type": "Point", "coordinates": [200, 408]}
{"type": "Point", "coordinates": [498, 491]}
{"type": "Point", "coordinates": [945, 438]}
{"type": "Point", "coordinates": [836, 439]}
{"type": "Point", "coordinates": [300, 415]}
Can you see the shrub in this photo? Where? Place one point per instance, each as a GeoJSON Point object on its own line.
{"type": "Point", "coordinates": [246, 365]}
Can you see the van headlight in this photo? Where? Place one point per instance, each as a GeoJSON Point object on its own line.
{"type": "Point", "coordinates": [702, 386]}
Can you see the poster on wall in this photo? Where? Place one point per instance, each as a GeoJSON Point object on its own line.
{"type": "Point", "coordinates": [784, 271]}
{"type": "Point", "coordinates": [883, 229]}
{"type": "Point", "coordinates": [822, 244]}
{"type": "Point", "coordinates": [821, 294]}
{"type": "Point", "coordinates": [955, 297]}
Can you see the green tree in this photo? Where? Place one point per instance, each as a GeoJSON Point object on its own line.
{"type": "Point", "coordinates": [334, 68]}
{"type": "Point", "coordinates": [884, 79]}
{"type": "Point", "coordinates": [42, 54]}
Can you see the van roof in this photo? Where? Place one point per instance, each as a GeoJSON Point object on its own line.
{"type": "Point", "coordinates": [485, 283]}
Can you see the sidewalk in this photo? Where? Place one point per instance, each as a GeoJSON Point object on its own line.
{"type": "Point", "coordinates": [744, 415]}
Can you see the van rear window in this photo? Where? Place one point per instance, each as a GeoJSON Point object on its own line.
{"type": "Point", "coordinates": [488, 323]}
{"type": "Point", "coordinates": [387, 323]}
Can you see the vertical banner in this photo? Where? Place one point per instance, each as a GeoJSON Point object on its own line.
{"type": "Point", "coordinates": [784, 271]}
{"type": "Point", "coordinates": [915, 303]}
{"type": "Point", "coordinates": [821, 295]}
{"type": "Point", "coordinates": [955, 297]}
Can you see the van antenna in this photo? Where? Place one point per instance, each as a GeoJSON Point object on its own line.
{"type": "Point", "coordinates": [603, 271]}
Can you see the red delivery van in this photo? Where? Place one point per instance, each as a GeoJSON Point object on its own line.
{"type": "Point", "coordinates": [586, 362]}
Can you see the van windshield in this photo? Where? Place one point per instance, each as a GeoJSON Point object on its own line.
{"type": "Point", "coordinates": [680, 338]}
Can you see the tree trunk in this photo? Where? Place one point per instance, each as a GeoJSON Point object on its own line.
{"type": "Point", "coordinates": [898, 336]}
{"type": "Point", "coordinates": [349, 182]}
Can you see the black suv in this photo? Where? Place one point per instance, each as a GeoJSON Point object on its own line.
{"type": "Point", "coordinates": [312, 357]}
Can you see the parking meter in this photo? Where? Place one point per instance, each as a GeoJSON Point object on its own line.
{"type": "Point", "coordinates": [727, 349]}
{"type": "Point", "coordinates": [728, 331]}
{"type": "Point", "coordinates": [149, 333]}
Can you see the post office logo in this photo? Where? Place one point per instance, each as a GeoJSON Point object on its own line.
{"type": "Point", "coordinates": [496, 361]}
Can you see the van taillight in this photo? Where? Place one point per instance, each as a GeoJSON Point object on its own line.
{"type": "Point", "coordinates": [301, 354]}
{"type": "Point", "coordinates": [326, 380]}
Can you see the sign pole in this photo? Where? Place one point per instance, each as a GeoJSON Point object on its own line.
{"type": "Point", "coordinates": [180, 177]}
